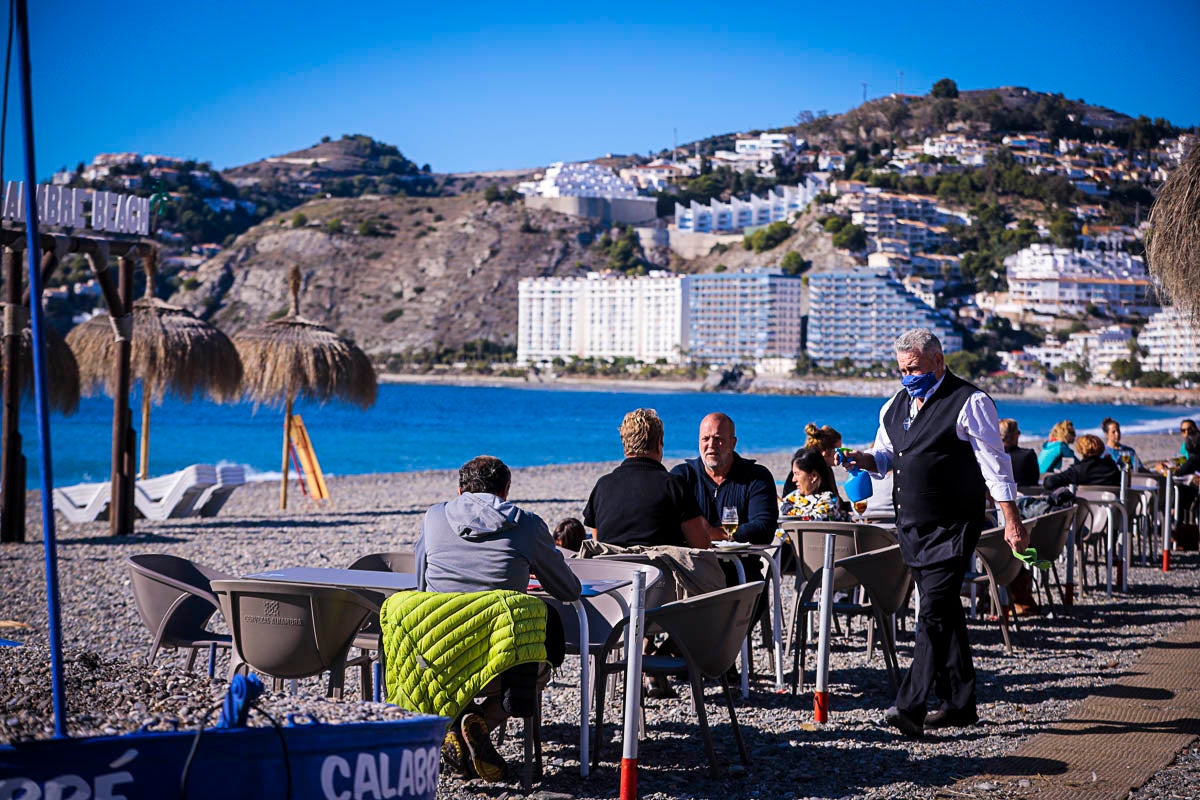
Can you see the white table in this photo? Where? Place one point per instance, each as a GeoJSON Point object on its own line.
{"type": "Point", "coordinates": [344, 578]}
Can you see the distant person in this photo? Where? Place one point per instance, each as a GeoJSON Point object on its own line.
{"type": "Point", "coordinates": [815, 496]}
{"type": "Point", "coordinates": [825, 439]}
{"type": "Point", "coordinates": [719, 478]}
{"type": "Point", "coordinates": [640, 503]}
{"type": "Point", "coordinates": [1115, 450]}
{"type": "Point", "coordinates": [569, 534]}
{"type": "Point", "coordinates": [1024, 460]}
{"type": "Point", "coordinates": [1058, 447]}
{"type": "Point", "coordinates": [477, 542]}
{"type": "Point", "coordinates": [1186, 429]}
{"type": "Point", "coordinates": [1190, 467]}
{"type": "Point", "coordinates": [1094, 467]}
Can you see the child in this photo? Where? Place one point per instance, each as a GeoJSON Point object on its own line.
{"type": "Point", "coordinates": [569, 534]}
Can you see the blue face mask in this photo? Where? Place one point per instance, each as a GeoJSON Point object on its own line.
{"type": "Point", "coordinates": [919, 386]}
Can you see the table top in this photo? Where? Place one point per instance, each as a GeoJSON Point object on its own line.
{"type": "Point", "coordinates": [591, 588]}
{"type": "Point", "coordinates": [345, 578]}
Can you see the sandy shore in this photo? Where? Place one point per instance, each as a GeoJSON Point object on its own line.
{"type": "Point", "coordinates": [112, 689]}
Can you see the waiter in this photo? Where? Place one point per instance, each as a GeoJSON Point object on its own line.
{"type": "Point", "coordinates": [940, 437]}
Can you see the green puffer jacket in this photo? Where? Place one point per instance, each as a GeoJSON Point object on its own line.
{"type": "Point", "coordinates": [442, 648]}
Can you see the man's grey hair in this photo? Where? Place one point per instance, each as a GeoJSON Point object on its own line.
{"type": "Point", "coordinates": [918, 340]}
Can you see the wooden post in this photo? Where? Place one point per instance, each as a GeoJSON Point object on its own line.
{"type": "Point", "coordinates": [120, 516]}
{"type": "Point", "coordinates": [12, 484]}
{"type": "Point", "coordinates": [144, 461]}
{"type": "Point", "coordinates": [287, 432]}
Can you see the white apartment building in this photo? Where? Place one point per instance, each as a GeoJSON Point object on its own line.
{"type": "Point", "coordinates": [971, 152]}
{"type": "Point", "coordinates": [1172, 341]}
{"type": "Point", "coordinates": [1096, 350]}
{"type": "Point", "coordinates": [857, 314]}
{"type": "Point", "coordinates": [578, 180]}
{"type": "Point", "coordinates": [1051, 280]}
{"type": "Point", "coordinates": [779, 205]}
{"type": "Point", "coordinates": [744, 317]}
{"type": "Point", "coordinates": [603, 315]}
{"type": "Point", "coordinates": [768, 145]}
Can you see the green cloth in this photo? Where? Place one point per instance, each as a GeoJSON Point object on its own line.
{"type": "Point", "coordinates": [442, 648]}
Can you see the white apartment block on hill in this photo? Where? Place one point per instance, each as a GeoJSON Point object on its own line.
{"type": "Point", "coordinates": [777, 206]}
{"type": "Point", "coordinates": [1052, 280]}
{"type": "Point", "coordinates": [1172, 341]}
{"type": "Point", "coordinates": [857, 314]}
{"type": "Point", "coordinates": [744, 317]}
{"type": "Point", "coordinates": [1096, 350]}
{"type": "Point", "coordinates": [577, 180]}
{"type": "Point", "coordinates": [603, 315]}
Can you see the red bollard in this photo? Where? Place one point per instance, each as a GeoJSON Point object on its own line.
{"type": "Point", "coordinates": [1166, 560]}
{"type": "Point", "coordinates": [821, 706]}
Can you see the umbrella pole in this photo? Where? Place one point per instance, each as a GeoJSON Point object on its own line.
{"type": "Point", "coordinates": [12, 489]}
{"type": "Point", "coordinates": [145, 454]}
{"type": "Point", "coordinates": [287, 429]}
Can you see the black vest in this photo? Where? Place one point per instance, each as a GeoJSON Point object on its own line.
{"type": "Point", "coordinates": [938, 489]}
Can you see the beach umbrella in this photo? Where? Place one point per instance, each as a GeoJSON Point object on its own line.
{"type": "Point", "coordinates": [1173, 247]}
{"type": "Point", "coordinates": [173, 351]}
{"type": "Point", "coordinates": [60, 363]}
{"type": "Point", "coordinates": [293, 357]}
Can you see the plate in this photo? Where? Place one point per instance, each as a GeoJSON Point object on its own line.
{"type": "Point", "coordinates": [724, 545]}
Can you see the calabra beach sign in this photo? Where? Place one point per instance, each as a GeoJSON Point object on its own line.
{"type": "Point", "coordinates": [110, 212]}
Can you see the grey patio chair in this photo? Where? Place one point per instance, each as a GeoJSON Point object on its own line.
{"type": "Point", "coordinates": [886, 580]}
{"type": "Point", "coordinates": [1105, 510]}
{"type": "Point", "coordinates": [174, 598]}
{"type": "Point", "coordinates": [367, 640]}
{"type": "Point", "coordinates": [1049, 534]}
{"type": "Point", "coordinates": [292, 630]}
{"type": "Point", "coordinates": [1000, 567]}
{"type": "Point", "coordinates": [708, 631]}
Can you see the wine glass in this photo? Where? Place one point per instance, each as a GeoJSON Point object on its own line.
{"type": "Point", "coordinates": [729, 521]}
{"type": "Point", "coordinates": [860, 508]}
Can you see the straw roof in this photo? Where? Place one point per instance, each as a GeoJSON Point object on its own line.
{"type": "Point", "coordinates": [173, 351]}
{"type": "Point", "coordinates": [62, 370]}
{"type": "Point", "coordinates": [1173, 247]}
{"type": "Point", "coordinates": [298, 358]}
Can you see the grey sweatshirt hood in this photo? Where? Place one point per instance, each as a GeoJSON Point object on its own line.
{"type": "Point", "coordinates": [479, 515]}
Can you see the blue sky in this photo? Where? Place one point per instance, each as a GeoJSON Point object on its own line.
{"type": "Point", "coordinates": [469, 85]}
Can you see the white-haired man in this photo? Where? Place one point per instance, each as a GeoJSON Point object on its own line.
{"type": "Point", "coordinates": [940, 438]}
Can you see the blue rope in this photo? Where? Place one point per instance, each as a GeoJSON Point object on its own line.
{"type": "Point", "coordinates": [243, 691]}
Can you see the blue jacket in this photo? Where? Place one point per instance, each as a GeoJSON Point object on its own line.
{"type": "Point", "coordinates": [749, 487]}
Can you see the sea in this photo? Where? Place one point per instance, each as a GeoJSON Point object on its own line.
{"type": "Point", "coordinates": [438, 426]}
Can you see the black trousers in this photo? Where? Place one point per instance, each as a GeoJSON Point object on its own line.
{"type": "Point", "coordinates": [941, 654]}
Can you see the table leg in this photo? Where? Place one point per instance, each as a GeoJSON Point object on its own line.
{"type": "Point", "coordinates": [821, 697]}
{"type": "Point", "coordinates": [585, 689]}
{"type": "Point", "coordinates": [776, 618]}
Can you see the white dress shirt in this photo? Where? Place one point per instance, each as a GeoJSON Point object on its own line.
{"type": "Point", "coordinates": [979, 424]}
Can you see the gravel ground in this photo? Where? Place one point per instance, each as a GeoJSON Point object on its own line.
{"type": "Point", "coordinates": [111, 688]}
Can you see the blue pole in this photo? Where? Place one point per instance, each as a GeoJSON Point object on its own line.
{"type": "Point", "coordinates": [38, 322]}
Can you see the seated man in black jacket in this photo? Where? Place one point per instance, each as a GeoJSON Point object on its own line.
{"type": "Point", "coordinates": [1092, 469]}
{"type": "Point", "coordinates": [1024, 460]}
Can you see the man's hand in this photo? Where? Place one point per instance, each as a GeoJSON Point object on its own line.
{"type": "Point", "coordinates": [857, 459]}
{"type": "Point", "coordinates": [1014, 529]}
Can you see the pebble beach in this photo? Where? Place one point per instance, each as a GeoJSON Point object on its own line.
{"type": "Point", "coordinates": [1060, 658]}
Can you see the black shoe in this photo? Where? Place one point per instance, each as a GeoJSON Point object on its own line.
{"type": "Point", "coordinates": [951, 718]}
{"type": "Point", "coordinates": [660, 689]}
{"type": "Point", "coordinates": [487, 763]}
{"type": "Point", "coordinates": [901, 722]}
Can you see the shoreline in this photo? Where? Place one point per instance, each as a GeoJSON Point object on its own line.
{"type": "Point", "coordinates": [793, 386]}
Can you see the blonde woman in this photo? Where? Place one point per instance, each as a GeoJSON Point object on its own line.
{"type": "Point", "coordinates": [1062, 436]}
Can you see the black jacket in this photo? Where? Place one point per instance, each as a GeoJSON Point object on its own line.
{"type": "Point", "coordinates": [749, 487]}
{"type": "Point", "coordinates": [1024, 466]}
{"type": "Point", "coordinates": [1095, 471]}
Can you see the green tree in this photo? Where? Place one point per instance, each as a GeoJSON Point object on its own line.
{"type": "Point", "coordinates": [793, 263]}
{"type": "Point", "coordinates": [1125, 369]}
{"type": "Point", "coordinates": [945, 88]}
{"type": "Point", "coordinates": [1157, 379]}
{"type": "Point", "coordinates": [299, 220]}
{"type": "Point", "coordinates": [852, 238]}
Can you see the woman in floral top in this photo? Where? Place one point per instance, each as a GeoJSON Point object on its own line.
{"type": "Point", "coordinates": [816, 495]}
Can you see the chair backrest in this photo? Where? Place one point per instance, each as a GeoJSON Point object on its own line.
{"type": "Point", "coordinates": [872, 537]}
{"type": "Point", "coordinates": [808, 543]}
{"type": "Point", "coordinates": [400, 561]}
{"type": "Point", "coordinates": [1098, 499]}
{"type": "Point", "coordinates": [883, 574]}
{"type": "Point", "coordinates": [290, 630]}
{"type": "Point", "coordinates": [998, 555]}
{"type": "Point", "coordinates": [1048, 533]}
{"type": "Point", "coordinates": [659, 591]}
{"type": "Point", "coordinates": [173, 594]}
{"type": "Point", "coordinates": [709, 628]}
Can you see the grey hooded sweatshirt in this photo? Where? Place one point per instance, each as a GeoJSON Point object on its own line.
{"type": "Point", "coordinates": [478, 542]}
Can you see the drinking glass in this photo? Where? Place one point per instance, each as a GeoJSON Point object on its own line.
{"type": "Point", "coordinates": [729, 521]}
{"type": "Point", "coordinates": [860, 508]}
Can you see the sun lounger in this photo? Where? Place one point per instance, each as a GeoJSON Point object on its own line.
{"type": "Point", "coordinates": [175, 495]}
{"type": "Point", "coordinates": [84, 502]}
{"type": "Point", "coordinates": [229, 477]}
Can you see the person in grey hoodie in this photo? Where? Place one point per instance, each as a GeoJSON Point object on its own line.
{"type": "Point", "coordinates": [477, 542]}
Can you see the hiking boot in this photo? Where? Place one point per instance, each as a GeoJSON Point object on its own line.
{"type": "Point", "coordinates": [454, 753]}
{"type": "Point", "coordinates": [951, 718]}
{"type": "Point", "coordinates": [487, 763]}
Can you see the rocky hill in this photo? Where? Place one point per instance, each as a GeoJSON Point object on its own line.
{"type": "Point", "coordinates": [396, 274]}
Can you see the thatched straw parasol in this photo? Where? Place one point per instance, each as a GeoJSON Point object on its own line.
{"type": "Point", "coordinates": [172, 351]}
{"type": "Point", "coordinates": [61, 367]}
{"type": "Point", "coordinates": [293, 357]}
{"type": "Point", "coordinates": [1173, 247]}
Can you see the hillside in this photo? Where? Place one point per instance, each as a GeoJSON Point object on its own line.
{"type": "Point", "coordinates": [402, 275]}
